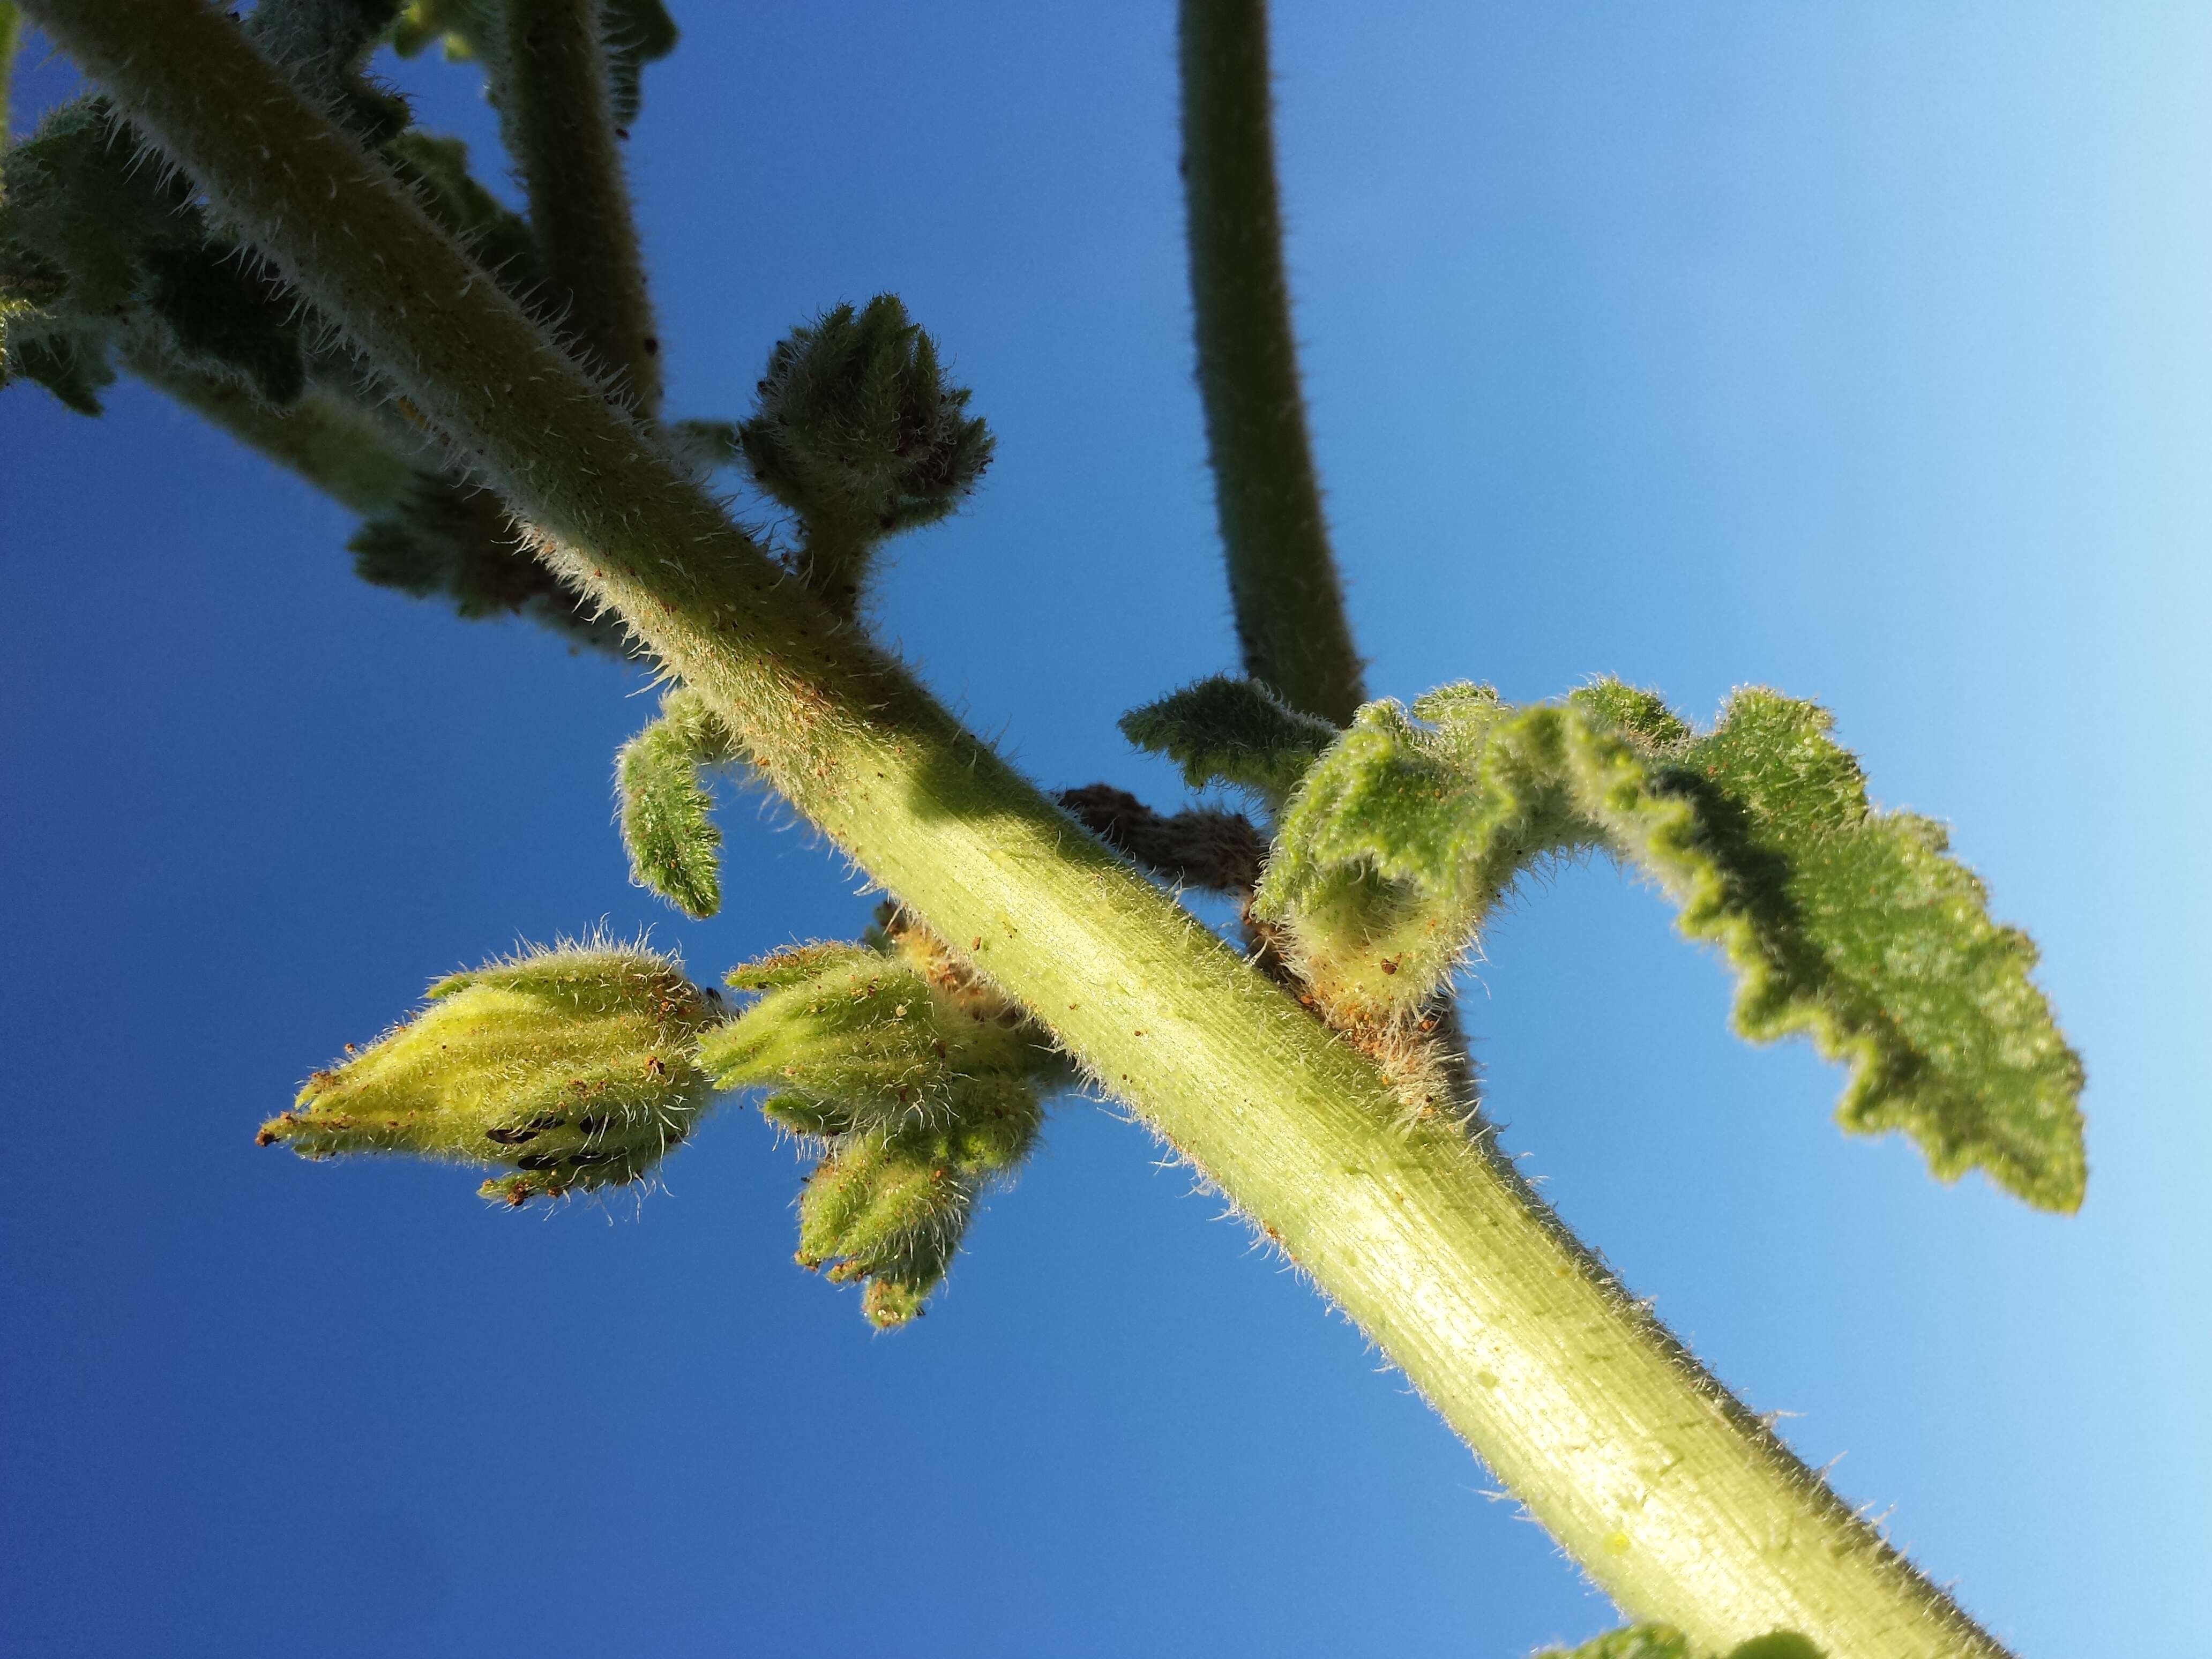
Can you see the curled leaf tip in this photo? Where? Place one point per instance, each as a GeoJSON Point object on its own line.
{"type": "Point", "coordinates": [1843, 923]}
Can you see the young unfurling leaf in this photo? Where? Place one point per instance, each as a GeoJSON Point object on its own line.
{"type": "Point", "coordinates": [1232, 732]}
{"type": "Point", "coordinates": [920, 1083]}
{"type": "Point", "coordinates": [668, 815]}
{"type": "Point", "coordinates": [572, 1068]}
{"type": "Point", "coordinates": [1845, 923]}
{"type": "Point", "coordinates": [859, 432]}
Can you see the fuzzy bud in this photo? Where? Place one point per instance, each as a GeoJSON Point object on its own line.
{"type": "Point", "coordinates": [855, 1040]}
{"type": "Point", "coordinates": [920, 1082]}
{"type": "Point", "coordinates": [572, 1068]}
{"type": "Point", "coordinates": [859, 432]}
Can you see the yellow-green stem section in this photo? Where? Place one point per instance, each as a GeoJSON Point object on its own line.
{"type": "Point", "coordinates": [1677, 1502]}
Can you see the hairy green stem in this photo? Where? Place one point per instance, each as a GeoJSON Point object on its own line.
{"type": "Point", "coordinates": [1282, 577]}
{"type": "Point", "coordinates": [561, 126]}
{"type": "Point", "coordinates": [1678, 1501]}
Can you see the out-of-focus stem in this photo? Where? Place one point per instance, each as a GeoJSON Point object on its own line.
{"type": "Point", "coordinates": [561, 125]}
{"type": "Point", "coordinates": [1282, 577]}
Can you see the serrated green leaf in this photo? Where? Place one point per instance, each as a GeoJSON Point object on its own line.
{"type": "Point", "coordinates": [1845, 924]}
{"type": "Point", "coordinates": [667, 815]}
{"type": "Point", "coordinates": [230, 311]}
{"type": "Point", "coordinates": [68, 358]}
{"type": "Point", "coordinates": [1233, 732]}
{"type": "Point", "coordinates": [454, 541]}
{"type": "Point", "coordinates": [84, 206]}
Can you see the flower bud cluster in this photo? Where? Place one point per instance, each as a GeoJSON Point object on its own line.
{"type": "Point", "coordinates": [920, 1085]}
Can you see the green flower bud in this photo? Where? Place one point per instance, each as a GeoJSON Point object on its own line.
{"type": "Point", "coordinates": [923, 1082]}
{"type": "Point", "coordinates": [869, 1200]}
{"type": "Point", "coordinates": [575, 1069]}
{"type": "Point", "coordinates": [856, 1040]}
{"type": "Point", "coordinates": [891, 1210]}
{"type": "Point", "coordinates": [858, 432]}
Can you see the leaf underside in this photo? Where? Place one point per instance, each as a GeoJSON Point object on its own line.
{"type": "Point", "coordinates": [1846, 924]}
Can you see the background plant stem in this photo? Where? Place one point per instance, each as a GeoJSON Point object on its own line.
{"type": "Point", "coordinates": [560, 123]}
{"type": "Point", "coordinates": [1282, 579]}
{"type": "Point", "coordinates": [1678, 1503]}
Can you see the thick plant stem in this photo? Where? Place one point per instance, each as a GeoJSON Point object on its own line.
{"type": "Point", "coordinates": [1678, 1503]}
{"type": "Point", "coordinates": [1282, 576]}
{"type": "Point", "coordinates": [560, 123]}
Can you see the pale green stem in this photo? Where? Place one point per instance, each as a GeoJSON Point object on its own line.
{"type": "Point", "coordinates": [1282, 576]}
{"type": "Point", "coordinates": [561, 126]}
{"type": "Point", "coordinates": [1677, 1501]}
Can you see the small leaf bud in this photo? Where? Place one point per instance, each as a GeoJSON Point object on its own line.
{"type": "Point", "coordinates": [572, 1068]}
{"type": "Point", "coordinates": [858, 431]}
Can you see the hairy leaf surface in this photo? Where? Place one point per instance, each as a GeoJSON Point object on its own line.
{"type": "Point", "coordinates": [1849, 925]}
{"type": "Point", "coordinates": [1233, 732]}
{"type": "Point", "coordinates": [667, 815]}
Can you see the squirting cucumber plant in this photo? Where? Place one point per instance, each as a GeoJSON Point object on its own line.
{"type": "Point", "coordinates": [242, 217]}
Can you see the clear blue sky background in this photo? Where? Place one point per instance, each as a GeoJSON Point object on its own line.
{"type": "Point", "coordinates": [1862, 350]}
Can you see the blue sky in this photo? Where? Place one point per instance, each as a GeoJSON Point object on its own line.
{"type": "Point", "coordinates": [1864, 351]}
